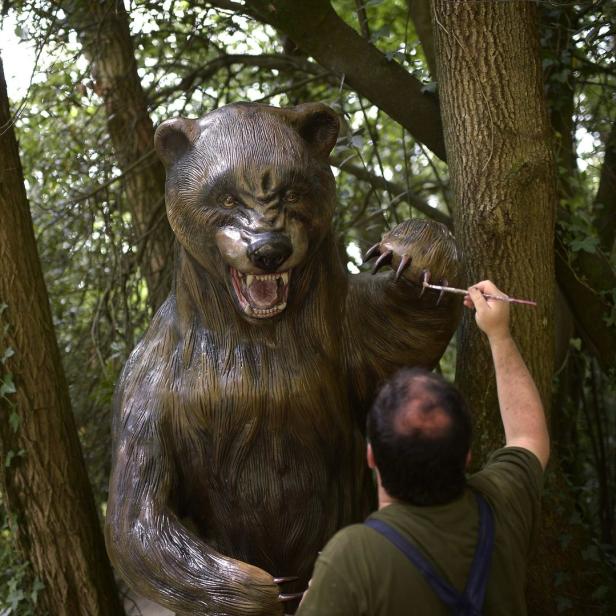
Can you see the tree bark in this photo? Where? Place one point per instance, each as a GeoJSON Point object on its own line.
{"type": "Point", "coordinates": [103, 29]}
{"type": "Point", "coordinates": [503, 177]}
{"type": "Point", "coordinates": [605, 199]}
{"type": "Point", "coordinates": [42, 472]}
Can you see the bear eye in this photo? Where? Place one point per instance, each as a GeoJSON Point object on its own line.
{"type": "Point", "coordinates": [291, 196]}
{"type": "Point", "coordinates": [229, 201]}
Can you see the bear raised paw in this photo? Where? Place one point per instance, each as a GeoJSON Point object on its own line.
{"type": "Point", "coordinates": [238, 445]}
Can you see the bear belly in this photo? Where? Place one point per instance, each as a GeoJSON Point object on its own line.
{"type": "Point", "coordinates": [274, 500]}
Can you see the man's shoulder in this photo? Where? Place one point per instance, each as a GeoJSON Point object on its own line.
{"type": "Point", "coordinates": [518, 454]}
{"type": "Point", "coordinates": [346, 543]}
{"type": "Point", "coordinates": [510, 465]}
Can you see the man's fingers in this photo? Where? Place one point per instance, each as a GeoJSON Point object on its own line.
{"type": "Point", "coordinates": [479, 301]}
{"type": "Point", "coordinates": [487, 286]}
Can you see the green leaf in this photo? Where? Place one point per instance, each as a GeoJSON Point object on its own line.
{"type": "Point", "coordinates": [37, 586]}
{"type": "Point", "coordinates": [588, 244]}
{"type": "Point", "coordinates": [14, 421]}
{"type": "Point", "coordinates": [8, 386]}
{"type": "Point", "coordinates": [381, 33]}
{"type": "Point", "coordinates": [9, 352]}
{"type": "Point", "coordinates": [15, 597]}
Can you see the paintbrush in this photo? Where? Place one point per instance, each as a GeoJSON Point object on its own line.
{"type": "Point", "coordinates": [502, 298]}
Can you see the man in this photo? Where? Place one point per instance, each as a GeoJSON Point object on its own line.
{"type": "Point", "coordinates": [419, 436]}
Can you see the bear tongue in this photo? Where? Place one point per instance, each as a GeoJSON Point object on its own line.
{"type": "Point", "coordinates": [263, 293]}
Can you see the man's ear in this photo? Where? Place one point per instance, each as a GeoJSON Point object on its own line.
{"type": "Point", "coordinates": [370, 457]}
{"type": "Point", "coordinates": [318, 125]}
{"type": "Point", "coordinates": [173, 138]}
{"type": "Point", "coordinates": [469, 457]}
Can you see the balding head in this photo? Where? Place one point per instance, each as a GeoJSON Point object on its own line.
{"type": "Point", "coordinates": [422, 416]}
{"type": "Point", "coordinates": [420, 433]}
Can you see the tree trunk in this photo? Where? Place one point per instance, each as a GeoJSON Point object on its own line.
{"type": "Point", "coordinates": [103, 30]}
{"type": "Point", "coordinates": [605, 200]}
{"type": "Point", "coordinates": [42, 472]}
{"type": "Point", "coordinates": [502, 170]}
{"type": "Point", "coordinates": [503, 177]}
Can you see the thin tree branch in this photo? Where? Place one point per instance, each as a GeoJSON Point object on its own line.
{"type": "Point", "coordinates": [419, 11]}
{"type": "Point", "coordinates": [362, 18]}
{"type": "Point", "coordinates": [402, 194]}
{"type": "Point", "coordinates": [267, 61]}
{"type": "Point", "coordinates": [605, 199]}
{"type": "Point", "coordinates": [589, 309]}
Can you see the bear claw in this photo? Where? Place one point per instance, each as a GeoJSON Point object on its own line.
{"type": "Point", "coordinates": [384, 259]}
{"type": "Point", "coordinates": [291, 596]}
{"type": "Point", "coordinates": [372, 252]}
{"type": "Point", "coordinates": [425, 277]}
{"type": "Point", "coordinates": [444, 283]}
{"type": "Point", "coordinates": [405, 261]}
{"type": "Point", "coordinates": [285, 580]}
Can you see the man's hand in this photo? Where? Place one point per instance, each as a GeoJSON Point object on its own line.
{"type": "Point", "coordinates": [492, 315]}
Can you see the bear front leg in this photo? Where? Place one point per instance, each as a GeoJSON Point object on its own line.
{"type": "Point", "coordinates": [150, 547]}
{"type": "Point", "coordinates": [391, 319]}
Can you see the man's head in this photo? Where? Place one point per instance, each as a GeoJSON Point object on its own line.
{"type": "Point", "coordinates": [419, 429]}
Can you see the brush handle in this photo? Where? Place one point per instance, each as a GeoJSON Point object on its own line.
{"type": "Point", "coordinates": [502, 298]}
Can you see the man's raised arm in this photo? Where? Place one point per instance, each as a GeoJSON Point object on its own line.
{"type": "Point", "coordinates": [520, 404]}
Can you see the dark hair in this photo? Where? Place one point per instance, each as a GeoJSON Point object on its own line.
{"type": "Point", "coordinates": [420, 431]}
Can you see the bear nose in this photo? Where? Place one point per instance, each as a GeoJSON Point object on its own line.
{"type": "Point", "coordinates": [270, 251]}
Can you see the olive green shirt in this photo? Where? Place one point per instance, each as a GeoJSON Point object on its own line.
{"type": "Point", "coordinates": [360, 573]}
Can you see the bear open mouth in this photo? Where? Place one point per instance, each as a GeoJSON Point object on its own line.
{"type": "Point", "coordinates": [261, 295]}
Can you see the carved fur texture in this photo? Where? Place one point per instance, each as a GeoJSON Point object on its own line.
{"type": "Point", "coordinates": [238, 445]}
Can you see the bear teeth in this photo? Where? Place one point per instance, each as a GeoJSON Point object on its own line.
{"type": "Point", "coordinates": [273, 310]}
{"type": "Point", "coordinates": [250, 278]}
{"type": "Point", "coordinates": [242, 283]}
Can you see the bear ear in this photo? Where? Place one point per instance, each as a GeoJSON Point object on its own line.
{"type": "Point", "coordinates": [173, 138]}
{"type": "Point", "coordinates": [318, 125]}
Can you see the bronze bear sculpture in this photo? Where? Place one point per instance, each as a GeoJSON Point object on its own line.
{"type": "Point", "coordinates": [238, 445]}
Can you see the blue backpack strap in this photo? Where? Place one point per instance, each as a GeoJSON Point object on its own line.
{"type": "Point", "coordinates": [471, 602]}
{"type": "Point", "coordinates": [477, 582]}
{"type": "Point", "coordinates": [447, 593]}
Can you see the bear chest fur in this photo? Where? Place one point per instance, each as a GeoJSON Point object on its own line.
{"type": "Point", "coordinates": [265, 444]}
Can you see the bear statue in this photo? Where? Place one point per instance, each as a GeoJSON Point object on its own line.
{"type": "Point", "coordinates": [238, 436]}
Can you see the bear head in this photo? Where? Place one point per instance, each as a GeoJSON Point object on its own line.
{"type": "Point", "coordinates": [250, 195]}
